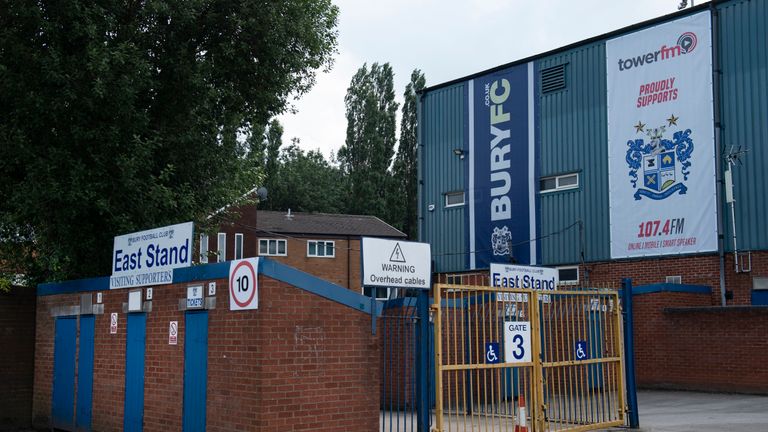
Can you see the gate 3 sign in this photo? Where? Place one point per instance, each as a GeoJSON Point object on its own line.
{"type": "Point", "coordinates": [396, 264]}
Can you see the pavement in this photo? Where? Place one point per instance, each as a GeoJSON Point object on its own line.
{"type": "Point", "coordinates": [680, 411]}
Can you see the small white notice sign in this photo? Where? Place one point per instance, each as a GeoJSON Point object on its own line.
{"type": "Point", "coordinates": [517, 341]}
{"type": "Point", "coordinates": [113, 323]}
{"type": "Point", "coordinates": [195, 297]}
{"type": "Point", "coordinates": [396, 263]}
{"type": "Point", "coordinates": [173, 333]}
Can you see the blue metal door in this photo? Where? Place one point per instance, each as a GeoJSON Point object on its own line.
{"type": "Point", "coordinates": [85, 373]}
{"type": "Point", "coordinates": [195, 370]}
{"type": "Point", "coordinates": [134, 372]}
{"type": "Point", "coordinates": [63, 404]}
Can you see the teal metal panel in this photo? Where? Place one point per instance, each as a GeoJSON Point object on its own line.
{"type": "Point", "coordinates": [573, 138]}
{"type": "Point", "coordinates": [444, 128]}
{"type": "Point", "coordinates": [743, 51]}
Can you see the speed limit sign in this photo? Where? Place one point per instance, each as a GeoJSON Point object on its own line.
{"type": "Point", "coordinates": [243, 284]}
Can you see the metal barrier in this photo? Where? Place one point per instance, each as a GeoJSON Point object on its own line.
{"type": "Point", "coordinates": [405, 340]}
{"type": "Point", "coordinates": [524, 360]}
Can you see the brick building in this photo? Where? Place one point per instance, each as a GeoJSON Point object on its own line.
{"type": "Point", "coordinates": [305, 360]}
{"type": "Point", "coordinates": [324, 245]}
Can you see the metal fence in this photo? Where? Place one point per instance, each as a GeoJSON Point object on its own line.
{"type": "Point", "coordinates": [512, 359]}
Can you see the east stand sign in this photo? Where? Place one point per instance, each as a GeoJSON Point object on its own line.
{"type": "Point", "coordinates": [396, 263]}
{"type": "Point", "coordinates": [149, 257]}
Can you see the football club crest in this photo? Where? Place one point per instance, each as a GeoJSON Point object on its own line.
{"type": "Point", "coordinates": [501, 240]}
{"type": "Point", "coordinates": [664, 164]}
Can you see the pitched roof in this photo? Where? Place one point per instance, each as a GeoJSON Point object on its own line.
{"type": "Point", "coordinates": [325, 224]}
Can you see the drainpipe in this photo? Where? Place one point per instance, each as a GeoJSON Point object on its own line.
{"type": "Point", "coordinates": [718, 148]}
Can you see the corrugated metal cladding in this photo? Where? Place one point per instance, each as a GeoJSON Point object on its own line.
{"type": "Point", "coordinates": [743, 50]}
{"type": "Point", "coordinates": [443, 129]}
{"type": "Point", "coordinates": [573, 138]}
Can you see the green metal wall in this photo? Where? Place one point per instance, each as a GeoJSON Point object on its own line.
{"type": "Point", "coordinates": [443, 128]}
{"type": "Point", "coordinates": [743, 50]}
{"type": "Point", "coordinates": [573, 138]}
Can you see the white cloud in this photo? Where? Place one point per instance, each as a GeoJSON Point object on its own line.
{"type": "Point", "coordinates": [447, 40]}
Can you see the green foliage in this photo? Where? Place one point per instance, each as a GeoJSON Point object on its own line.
{"type": "Point", "coordinates": [370, 143]}
{"type": "Point", "coordinates": [405, 168]}
{"type": "Point", "coordinates": [306, 182]}
{"type": "Point", "coordinates": [116, 117]}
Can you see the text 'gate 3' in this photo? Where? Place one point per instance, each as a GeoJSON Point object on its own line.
{"type": "Point", "coordinates": [524, 360]}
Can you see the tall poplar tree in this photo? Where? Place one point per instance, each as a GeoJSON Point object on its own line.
{"type": "Point", "coordinates": [405, 169]}
{"type": "Point", "coordinates": [370, 143]}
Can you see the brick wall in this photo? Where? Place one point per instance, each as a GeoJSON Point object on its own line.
{"type": "Point", "coordinates": [710, 349]}
{"type": "Point", "coordinates": [298, 363]}
{"type": "Point", "coordinates": [694, 270]}
{"type": "Point", "coordinates": [17, 335]}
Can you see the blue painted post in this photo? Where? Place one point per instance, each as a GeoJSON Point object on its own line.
{"type": "Point", "coordinates": [629, 354]}
{"type": "Point", "coordinates": [422, 362]}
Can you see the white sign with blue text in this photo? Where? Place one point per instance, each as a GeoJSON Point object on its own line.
{"type": "Point", "coordinates": [149, 257]}
{"type": "Point", "coordinates": [523, 277]}
{"type": "Point", "coordinates": [517, 341]}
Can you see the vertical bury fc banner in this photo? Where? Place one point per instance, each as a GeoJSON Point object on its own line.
{"type": "Point", "coordinates": [661, 153]}
{"type": "Point", "coordinates": [500, 219]}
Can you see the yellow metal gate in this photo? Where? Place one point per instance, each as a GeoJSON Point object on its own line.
{"type": "Point", "coordinates": [524, 360]}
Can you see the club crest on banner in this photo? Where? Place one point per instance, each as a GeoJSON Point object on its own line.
{"type": "Point", "coordinates": [664, 164]}
{"type": "Point", "coordinates": [501, 240]}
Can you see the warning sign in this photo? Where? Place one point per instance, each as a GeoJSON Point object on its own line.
{"type": "Point", "coordinates": [243, 284]}
{"type": "Point", "coordinates": [173, 333]}
{"type": "Point", "coordinates": [113, 323]}
{"type": "Point", "coordinates": [396, 264]}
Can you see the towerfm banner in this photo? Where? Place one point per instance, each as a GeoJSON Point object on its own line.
{"type": "Point", "coordinates": [661, 152]}
{"type": "Point", "coordinates": [500, 165]}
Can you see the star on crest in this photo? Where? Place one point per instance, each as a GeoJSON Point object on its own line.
{"type": "Point", "coordinates": [639, 127]}
{"type": "Point", "coordinates": [672, 120]}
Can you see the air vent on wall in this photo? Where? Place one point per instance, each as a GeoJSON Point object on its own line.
{"type": "Point", "coordinates": [675, 279]}
{"type": "Point", "coordinates": [553, 79]}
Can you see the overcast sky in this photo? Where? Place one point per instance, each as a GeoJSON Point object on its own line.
{"type": "Point", "coordinates": [447, 39]}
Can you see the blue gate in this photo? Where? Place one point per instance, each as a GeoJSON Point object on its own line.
{"type": "Point", "coordinates": [133, 420]}
{"type": "Point", "coordinates": [85, 373]}
{"type": "Point", "coordinates": [195, 369]}
{"type": "Point", "coordinates": [65, 344]}
{"type": "Point", "coordinates": [407, 390]}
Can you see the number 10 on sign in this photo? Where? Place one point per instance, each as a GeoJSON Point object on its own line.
{"type": "Point", "coordinates": [243, 284]}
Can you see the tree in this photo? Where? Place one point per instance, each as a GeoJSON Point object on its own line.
{"type": "Point", "coordinates": [367, 153]}
{"type": "Point", "coordinates": [272, 160]}
{"type": "Point", "coordinates": [405, 168]}
{"type": "Point", "coordinates": [307, 183]}
{"type": "Point", "coordinates": [116, 117]}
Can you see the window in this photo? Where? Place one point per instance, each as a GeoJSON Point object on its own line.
{"type": "Point", "coordinates": [379, 293]}
{"type": "Point", "coordinates": [557, 183]}
{"type": "Point", "coordinates": [272, 247]}
{"type": "Point", "coordinates": [568, 275]}
{"type": "Point", "coordinates": [454, 199]}
{"type": "Point", "coordinates": [222, 244]}
{"type": "Point", "coordinates": [203, 248]}
{"type": "Point", "coordinates": [238, 246]}
{"type": "Point", "coordinates": [319, 248]}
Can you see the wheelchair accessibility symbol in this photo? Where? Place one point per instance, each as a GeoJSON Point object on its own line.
{"type": "Point", "coordinates": [581, 350]}
{"type": "Point", "coordinates": [492, 352]}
